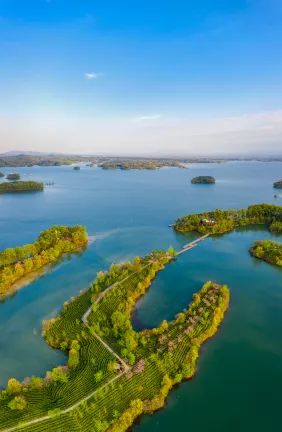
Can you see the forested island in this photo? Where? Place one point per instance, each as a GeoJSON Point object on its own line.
{"type": "Point", "coordinates": [2, 175]}
{"type": "Point", "coordinates": [142, 164]}
{"type": "Point", "coordinates": [203, 179]}
{"type": "Point", "coordinates": [15, 263]}
{"type": "Point", "coordinates": [21, 186]}
{"type": "Point", "coordinates": [113, 374]}
{"type": "Point", "coordinates": [267, 250]}
{"type": "Point", "coordinates": [25, 160]}
{"type": "Point", "coordinates": [111, 162]}
{"type": "Point", "coordinates": [221, 221]}
{"type": "Point", "coordinates": [76, 168]}
{"type": "Point", "coordinates": [278, 184]}
{"type": "Point", "coordinates": [13, 176]}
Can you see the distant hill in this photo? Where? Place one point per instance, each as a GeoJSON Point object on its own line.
{"type": "Point", "coordinates": [27, 153]}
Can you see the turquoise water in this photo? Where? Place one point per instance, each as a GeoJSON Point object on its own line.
{"type": "Point", "coordinates": [239, 377]}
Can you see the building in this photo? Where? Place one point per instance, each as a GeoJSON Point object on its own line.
{"type": "Point", "coordinates": [208, 221]}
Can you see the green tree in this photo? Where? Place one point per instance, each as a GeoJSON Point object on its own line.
{"type": "Point", "coordinates": [58, 375]}
{"type": "Point", "coordinates": [18, 403]}
{"type": "Point", "coordinates": [171, 251]}
{"type": "Point", "coordinates": [98, 376]}
{"type": "Point", "coordinates": [14, 386]}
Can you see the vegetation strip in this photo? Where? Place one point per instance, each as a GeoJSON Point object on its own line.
{"type": "Point", "coordinates": [15, 263]}
{"type": "Point", "coordinates": [95, 391]}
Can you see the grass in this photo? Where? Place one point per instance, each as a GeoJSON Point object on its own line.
{"type": "Point", "coordinates": [161, 357]}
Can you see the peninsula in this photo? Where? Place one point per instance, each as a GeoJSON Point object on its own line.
{"type": "Point", "coordinates": [221, 221]}
{"type": "Point", "coordinates": [113, 374]}
{"type": "Point", "coordinates": [21, 186]}
{"type": "Point", "coordinates": [278, 184]}
{"type": "Point", "coordinates": [203, 179]}
{"type": "Point", "coordinates": [15, 263]}
{"type": "Point", "coordinates": [267, 250]}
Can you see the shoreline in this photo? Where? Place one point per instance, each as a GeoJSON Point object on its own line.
{"type": "Point", "coordinates": [31, 277]}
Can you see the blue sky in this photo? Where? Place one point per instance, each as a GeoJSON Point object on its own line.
{"type": "Point", "coordinates": [133, 77]}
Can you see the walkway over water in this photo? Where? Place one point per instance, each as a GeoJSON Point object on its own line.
{"type": "Point", "coordinates": [193, 244]}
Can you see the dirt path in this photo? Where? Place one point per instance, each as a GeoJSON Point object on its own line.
{"type": "Point", "coordinates": [41, 419]}
{"type": "Point", "coordinates": [84, 318]}
{"type": "Point", "coordinates": [126, 367]}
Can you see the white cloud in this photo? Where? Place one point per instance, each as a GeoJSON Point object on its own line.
{"type": "Point", "coordinates": [148, 117]}
{"type": "Point", "coordinates": [91, 75]}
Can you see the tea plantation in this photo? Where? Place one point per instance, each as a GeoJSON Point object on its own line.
{"type": "Point", "coordinates": [113, 374]}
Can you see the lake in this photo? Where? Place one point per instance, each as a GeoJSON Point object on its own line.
{"type": "Point", "coordinates": [239, 371]}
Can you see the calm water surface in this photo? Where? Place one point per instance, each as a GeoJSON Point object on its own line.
{"type": "Point", "coordinates": [239, 378]}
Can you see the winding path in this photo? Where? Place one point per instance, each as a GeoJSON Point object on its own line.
{"type": "Point", "coordinates": [41, 419]}
{"type": "Point", "coordinates": [85, 321]}
{"type": "Point", "coordinates": [84, 318]}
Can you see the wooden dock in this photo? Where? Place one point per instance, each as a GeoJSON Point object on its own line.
{"type": "Point", "coordinates": [193, 244]}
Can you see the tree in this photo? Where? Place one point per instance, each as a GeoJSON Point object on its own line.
{"type": "Point", "coordinates": [58, 375]}
{"type": "Point", "coordinates": [75, 345]}
{"type": "Point", "coordinates": [112, 366]}
{"type": "Point", "coordinates": [164, 326]}
{"type": "Point", "coordinates": [14, 386]}
{"type": "Point", "coordinates": [171, 251]}
{"type": "Point", "coordinates": [36, 383]}
{"type": "Point", "coordinates": [131, 358]}
{"type": "Point", "coordinates": [73, 360]}
{"type": "Point", "coordinates": [178, 378]}
{"type": "Point", "coordinates": [64, 346]}
{"type": "Point", "coordinates": [18, 403]}
{"type": "Point", "coordinates": [98, 376]}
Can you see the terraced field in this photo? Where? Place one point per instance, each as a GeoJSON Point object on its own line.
{"type": "Point", "coordinates": [95, 392]}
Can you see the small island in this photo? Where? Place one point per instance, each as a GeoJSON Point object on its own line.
{"type": "Point", "coordinates": [76, 168]}
{"type": "Point", "coordinates": [222, 221]}
{"type": "Point", "coordinates": [278, 184]}
{"type": "Point", "coordinates": [267, 250]}
{"type": "Point", "coordinates": [13, 176]}
{"type": "Point", "coordinates": [2, 175]}
{"type": "Point", "coordinates": [203, 180]}
{"type": "Point", "coordinates": [21, 186]}
{"type": "Point", "coordinates": [15, 263]}
{"type": "Point", "coordinates": [113, 373]}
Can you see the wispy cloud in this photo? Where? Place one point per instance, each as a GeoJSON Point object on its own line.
{"type": "Point", "coordinates": [148, 117]}
{"type": "Point", "coordinates": [91, 75]}
{"type": "Point", "coordinates": [254, 132]}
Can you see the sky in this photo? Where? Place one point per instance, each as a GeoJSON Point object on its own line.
{"type": "Point", "coordinates": [173, 77]}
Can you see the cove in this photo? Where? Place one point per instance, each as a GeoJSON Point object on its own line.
{"type": "Point", "coordinates": [128, 214]}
